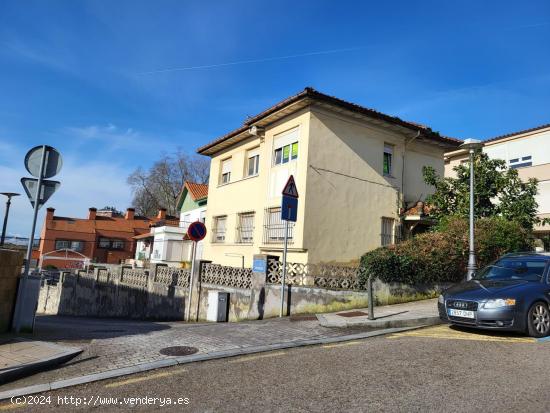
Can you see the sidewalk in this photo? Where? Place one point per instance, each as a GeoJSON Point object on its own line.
{"type": "Point", "coordinates": [113, 347]}
{"type": "Point", "coordinates": [20, 357]}
{"type": "Point", "coordinates": [388, 316]}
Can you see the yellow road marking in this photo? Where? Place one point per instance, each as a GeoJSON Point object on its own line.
{"type": "Point", "coordinates": [144, 378]}
{"type": "Point", "coordinates": [260, 356]}
{"type": "Point", "coordinates": [444, 332]}
{"type": "Point", "coordinates": [12, 406]}
{"type": "Point", "coordinates": [347, 343]}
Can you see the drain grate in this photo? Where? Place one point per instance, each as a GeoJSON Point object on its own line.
{"type": "Point", "coordinates": [178, 351]}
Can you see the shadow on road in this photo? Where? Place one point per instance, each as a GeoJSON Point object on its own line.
{"type": "Point", "coordinates": [66, 328]}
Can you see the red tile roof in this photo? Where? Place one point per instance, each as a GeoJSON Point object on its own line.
{"type": "Point", "coordinates": [310, 93]}
{"type": "Point", "coordinates": [197, 191]}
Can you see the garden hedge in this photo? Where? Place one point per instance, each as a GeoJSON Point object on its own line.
{"type": "Point", "coordinates": [442, 255]}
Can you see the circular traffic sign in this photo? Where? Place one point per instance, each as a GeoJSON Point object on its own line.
{"type": "Point", "coordinates": [196, 231]}
{"type": "Point", "coordinates": [52, 162]}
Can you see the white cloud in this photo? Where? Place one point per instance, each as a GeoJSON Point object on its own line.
{"type": "Point", "coordinates": [115, 137]}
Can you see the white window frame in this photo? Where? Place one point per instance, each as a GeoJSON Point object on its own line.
{"type": "Point", "coordinates": [218, 236]}
{"type": "Point", "coordinates": [245, 230]}
{"type": "Point", "coordinates": [225, 171]}
{"type": "Point", "coordinates": [254, 155]}
{"type": "Point", "coordinates": [286, 140]}
{"type": "Point", "coordinates": [388, 149]}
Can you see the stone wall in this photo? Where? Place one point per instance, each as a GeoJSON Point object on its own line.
{"type": "Point", "coordinates": [10, 269]}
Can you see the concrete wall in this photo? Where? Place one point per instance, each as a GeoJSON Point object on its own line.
{"type": "Point", "coordinates": [84, 295]}
{"type": "Point", "coordinates": [10, 269]}
{"type": "Point", "coordinates": [80, 295]}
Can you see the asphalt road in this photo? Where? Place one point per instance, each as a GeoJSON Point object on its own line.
{"type": "Point", "coordinates": [433, 369]}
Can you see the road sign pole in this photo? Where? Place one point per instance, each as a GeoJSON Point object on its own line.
{"type": "Point", "coordinates": [21, 290]}
{"type": "Point", "coordinates": [284, 270]}
{"type": "Point", "coordinates": [191, 279]}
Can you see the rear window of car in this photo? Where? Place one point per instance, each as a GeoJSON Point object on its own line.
{"type": "Point", "coordinates": [506, 268]}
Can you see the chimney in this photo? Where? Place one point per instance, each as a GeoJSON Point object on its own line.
{"type": "Point", "coordinates": [49, 214]}
{"type": "Point", "coordinates": [92, 213]}
{"type": "Point", "coordinates": [130, 212]}
{"type": "Point", "coordinates": [162, 213]}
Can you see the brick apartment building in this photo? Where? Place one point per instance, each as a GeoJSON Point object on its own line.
{"type": "Point", "coordinates": [102, 237]}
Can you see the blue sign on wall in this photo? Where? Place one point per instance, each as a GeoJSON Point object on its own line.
{"type": "Point", "coordinates": [289, 209]}
{"type": "Point", "coordinates": [259, 265]}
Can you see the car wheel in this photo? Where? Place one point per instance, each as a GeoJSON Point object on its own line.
{"type": "Point", "coordinates": [538, 320]}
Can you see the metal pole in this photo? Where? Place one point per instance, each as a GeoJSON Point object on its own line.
{"type": "Point", "coordinates": [284, 271]}
{"type": "Point", "coordinates": [472, 254]}
{"type": "Point", "coordinates": [21, 290]}
{"type": "Point", "coordinates": [191, 279]}
{"type": "Point", "coordinates": [8, 203]}
{"type": "Point", "coordinates": [370, 298]}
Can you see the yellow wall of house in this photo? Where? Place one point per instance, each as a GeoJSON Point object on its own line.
{"type": "Point", "coordinates": [343, 193]}
{"type": "Point", "coordinates": [418, 155]}
{"type": "Point", "coordinates": [245, 194]}
{"type": "Point", "coordinates": [347, 192]}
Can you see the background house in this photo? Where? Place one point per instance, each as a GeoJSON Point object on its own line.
{"type": "Point", "coordinates": [102, 237]}
{"type": "Point", "coordinates": [356, 170]}
{"type": "Point", "coordinates": [528, 151]}
{"type": "Point", "coordinates": [166, 242]}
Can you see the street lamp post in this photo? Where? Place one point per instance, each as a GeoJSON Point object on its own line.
{"type": "Point", "coordinates": [8, 203]}
{"type": "Point", "coordinates": [471, 145]}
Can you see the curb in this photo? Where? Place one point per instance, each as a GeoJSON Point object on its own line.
{"type": "Point", "coordinates": [138, 368]}
{"type": "Point", "coordinates": [379, 324]}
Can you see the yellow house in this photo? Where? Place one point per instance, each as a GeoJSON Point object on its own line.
{"type": "Point", "coordinates": [355, 170]}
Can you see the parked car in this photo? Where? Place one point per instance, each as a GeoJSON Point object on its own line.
{"type": "Point", "coordinates": [511, 294]}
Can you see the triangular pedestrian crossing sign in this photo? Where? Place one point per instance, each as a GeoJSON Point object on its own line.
{"type": "Point", "coordinates": [290, 188]}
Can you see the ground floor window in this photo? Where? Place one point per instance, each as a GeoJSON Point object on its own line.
{"type": "Point", "coordinates": [387, 234]}
{"type": "Point", "coordinates": [245, 229]}
{"type": "Point", "coordinates": [274, 227]}
{"type": "Point", "coordinates": [219, 228]}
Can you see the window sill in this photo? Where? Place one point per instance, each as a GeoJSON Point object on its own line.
{"type": "Point", "coordinates": [388, 176]}
{"type": "Point", "coordinates": [239, 180]}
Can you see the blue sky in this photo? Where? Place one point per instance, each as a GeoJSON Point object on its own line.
{"type": "Point", "coordinates": [95, 79]}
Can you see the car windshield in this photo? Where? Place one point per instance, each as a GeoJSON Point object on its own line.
{"type": "Point", "coordinates": [513, 269]}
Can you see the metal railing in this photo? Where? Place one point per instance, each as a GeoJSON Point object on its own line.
{"type": "Point", "coordinates": [274, 227]}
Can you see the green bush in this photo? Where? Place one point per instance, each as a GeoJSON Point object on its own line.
{"type": "Point", "coordinates": [441, 256]}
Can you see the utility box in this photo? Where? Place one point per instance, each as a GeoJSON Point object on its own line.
{"type": "Point", "coordinates": [218, 306]}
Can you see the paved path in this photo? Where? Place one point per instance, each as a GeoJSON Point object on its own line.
{"type": "Point", "coordinates": [431, 370]}
{"type": "Point", "coordinates": [22, 357]}
{"type": "Point", "coordinates": [387, 316]}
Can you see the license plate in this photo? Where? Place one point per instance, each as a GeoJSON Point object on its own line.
{"type": "Point", "coordinates": [461, 313]}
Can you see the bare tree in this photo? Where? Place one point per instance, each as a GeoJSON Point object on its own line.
{"type": "Point", "coordinates": [160, 186]}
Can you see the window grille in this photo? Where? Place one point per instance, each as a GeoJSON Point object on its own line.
{"type": "Point", "coordinates": [245, 229]}
{"type": "Point", "coordinates": [274, 227]}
